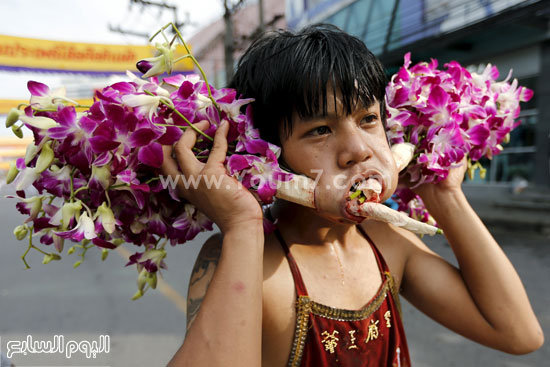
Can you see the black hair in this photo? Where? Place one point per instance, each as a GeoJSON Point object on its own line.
{"type": "Point", "coordinates": [287, 72]}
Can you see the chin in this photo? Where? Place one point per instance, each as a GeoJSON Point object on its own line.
{"type": "Point", "coordinates": [338, 214]}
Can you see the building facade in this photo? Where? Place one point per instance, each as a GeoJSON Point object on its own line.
{"type": "Point", "coordinates": [511, 34]}
{"type": "Point", "coordinates": [208, 44]}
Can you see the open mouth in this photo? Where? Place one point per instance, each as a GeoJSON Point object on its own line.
{"type": "Point", "coordinates": [366, 189]}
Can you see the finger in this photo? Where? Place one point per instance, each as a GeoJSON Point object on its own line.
{"type": "Point", "coordinates": [219, 149]}
{"type": "Point", "coordinates": [189, 137]}
{"type": "Point", "coordinates": [169, 166]}
{"type": "Point", "coordinates": [184, 154]}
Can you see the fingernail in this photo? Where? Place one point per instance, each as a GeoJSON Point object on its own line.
{"type": "Point", "coordinates": [224, 122]}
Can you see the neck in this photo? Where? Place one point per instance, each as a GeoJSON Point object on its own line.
{"type": "Point", "coordinates": [303, 225]}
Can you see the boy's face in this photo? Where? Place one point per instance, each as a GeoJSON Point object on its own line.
{"type": "Point", "coordinates": [339, 150]}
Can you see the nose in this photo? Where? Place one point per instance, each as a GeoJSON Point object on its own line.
{"type": "Point", "coordinates": [354, 147]}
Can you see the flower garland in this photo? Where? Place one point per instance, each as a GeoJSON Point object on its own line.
{"type": "Point", "coordinates": [97, 171]}
{"type": "Point", "coordinates": [448, 115]}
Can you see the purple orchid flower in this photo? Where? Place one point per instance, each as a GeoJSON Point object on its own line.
{"type": "Point", "coordinates": [449, 114]}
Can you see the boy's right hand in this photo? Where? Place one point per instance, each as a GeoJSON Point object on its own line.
{"type": "Point", "coordinates": [226, 201]}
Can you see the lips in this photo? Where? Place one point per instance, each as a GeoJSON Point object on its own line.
{"type": "Point", "coordinates": [364, 182]}
{"type": "Point", "coordinates": [372, 186]}
{"type": "Point", "coordinates": [348, 214]}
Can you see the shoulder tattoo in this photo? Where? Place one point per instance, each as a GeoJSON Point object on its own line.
{"type": "Point", "coordinates": [207, 258]}
{"type": "Point", "coordinates": [200, 279]}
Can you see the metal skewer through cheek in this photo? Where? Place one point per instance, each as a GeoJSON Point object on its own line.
{"type": "Point", "coordinates": [301, 190]}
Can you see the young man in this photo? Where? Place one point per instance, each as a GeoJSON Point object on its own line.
{"type": "Point", "coordinates": [322, 290]}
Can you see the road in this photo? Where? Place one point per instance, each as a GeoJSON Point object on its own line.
{"type": "Point", "coordinates": [94, 300]}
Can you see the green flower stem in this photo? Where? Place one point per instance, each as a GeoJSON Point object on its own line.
{"type": "Point", "coordinates": [80, 189]}
{"type": "Point", "coordinates": [151, 180]}
{"type": "Point", "coordinates": [28, 249]}
{"type": "Point", "coordinates": [39, 250]}
{"type": "Point", "coordinates": [181, 58]}
{"type": "Point", "coordinates": [125, 184]}
{"type": "Point", "coordinates": [183, 117]}
{"type": "Point", "coordinates": [197, 130]}
{"type": "Point", "coordinates": [180, 37]}
{"type": "Point", "coordinates": [88, 210]}
{"type": "Point", "coordinates": [64, 99]}
{"type": "Point", "coordinates": [159, 31]}
{"type": "Point", "coordinates": [181, 127]}
{"type": "Point", "coordinates": [84, 250]}
{"type": "Point", "coordinates": [23, 257]}
{"type": "Point", "coordinates": [108, 198]}
{"type": "Point", "coordinates": [119, 185]}
{"type": "Point", "coordinates": [72, 188]}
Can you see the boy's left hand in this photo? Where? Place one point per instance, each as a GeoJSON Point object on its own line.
{"type": "Point", "coordinates": [450, 185]}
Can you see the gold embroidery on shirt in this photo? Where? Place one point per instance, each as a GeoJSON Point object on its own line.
{"type": "Point", "coordinates": [352, 346]}
{"type": "Point", "coordinates": [373, 331]}
{"type": "Point", "coordinates": [348, 315]}
{"type": "Point", "coordinates": [387, 316]}
{"type": "Point", "coordinates": [304, 305]}
{"type": "Point", "coordinates": [302, 318]}
{"type": "Point", "coordinates": [330, 341]}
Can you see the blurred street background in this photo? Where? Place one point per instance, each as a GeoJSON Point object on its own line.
{"type": "Point", "coordinates": [94, 300]}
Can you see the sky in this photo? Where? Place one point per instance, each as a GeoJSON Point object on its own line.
{"type": "Point", "coordinates": [88, 21]}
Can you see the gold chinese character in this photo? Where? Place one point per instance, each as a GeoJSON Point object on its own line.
{"type": "Point", "coordinates": [352, 346]}
{"type": "Point", "coordinates": [373, 331]}
{"type": "Point", "coordinates": [330, 341]}
{"type": "Point", "coordinates": [387, 316]}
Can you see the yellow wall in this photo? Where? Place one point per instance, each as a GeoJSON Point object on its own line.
{"type": "Point", "coordinates": [58, 55]}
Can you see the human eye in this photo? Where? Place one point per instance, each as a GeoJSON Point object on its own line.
{"type": "Point", "coordinates": [370, 119]}
{"type": "Point", "coordinates": [319, 130]}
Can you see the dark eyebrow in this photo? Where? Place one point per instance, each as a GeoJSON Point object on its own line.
{"type": "Point", "coordinates": [313, 118]}
{"type": "Point", "coordinates": [332, 115]}
{"type": "Point", "coordinates": [371, 105]}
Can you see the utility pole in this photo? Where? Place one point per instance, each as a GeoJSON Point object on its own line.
{"type": "Point", "coordinates": [147, 3]}
{"type": "Point", "coordinates": [261, 15]}
{"type": "Point", "coordinates": [229, 37]}
{"type": "Point", "coordinates": [228, 42]}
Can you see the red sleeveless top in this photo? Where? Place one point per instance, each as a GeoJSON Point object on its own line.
{"type": "Point", "coordinates": [327, 336]}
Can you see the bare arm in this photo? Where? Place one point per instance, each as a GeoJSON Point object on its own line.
{"type": "Point", "coordinates": [227, 328]}
{"type": "Point", "coordinates": [484, 299]}
{"type": "Point", "coordinates": [201, 276]}
{"type": "Point", "coordinates": [224, 323]}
